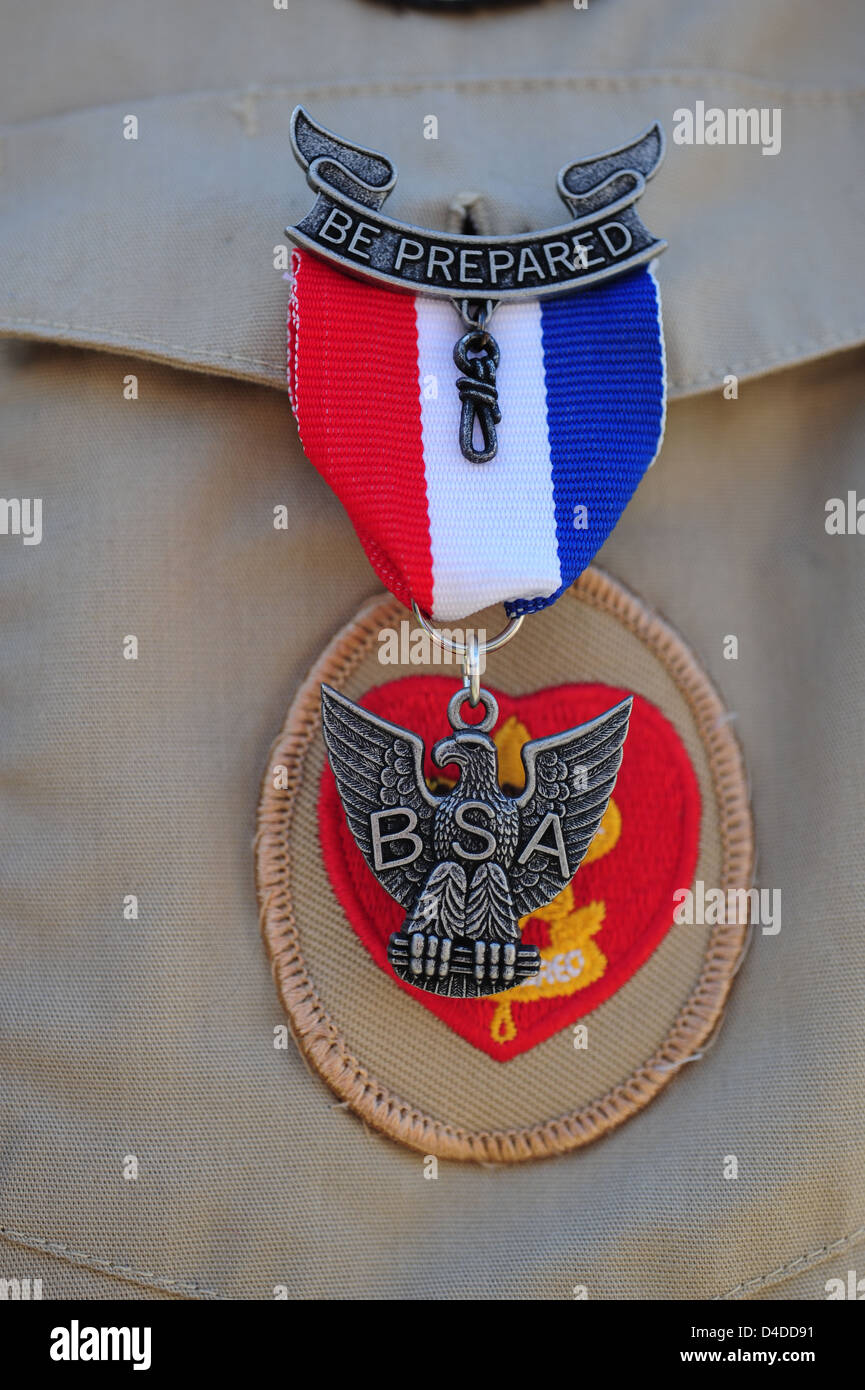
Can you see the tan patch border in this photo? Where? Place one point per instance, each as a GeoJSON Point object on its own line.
{"type": "Point", "coordinates": [319, 1037]}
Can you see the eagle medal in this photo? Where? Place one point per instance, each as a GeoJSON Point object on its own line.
{"type": "Point", "coordinates": [466, 866]}
{"type": "Point", "coordinates": [500, 491]}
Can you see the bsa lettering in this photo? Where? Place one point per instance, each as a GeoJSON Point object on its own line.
{"type": "Point", "coordinates": [405, 835]}
{"type": "Point", "coordinates": [536, 843]}
{"type": "Point", "coordinates": [480, 831]}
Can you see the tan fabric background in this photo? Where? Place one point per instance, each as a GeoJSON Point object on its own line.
{"type": "Point", "coordinates": [155, 1037]}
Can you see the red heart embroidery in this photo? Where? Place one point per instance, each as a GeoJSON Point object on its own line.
{"type": "Point", "coordinates": [619, 906]}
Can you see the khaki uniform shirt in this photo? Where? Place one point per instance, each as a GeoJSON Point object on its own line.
{"type": "Point", "coordinates": [149, 1040]}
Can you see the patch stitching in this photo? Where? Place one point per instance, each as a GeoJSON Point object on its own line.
{"type": "Point", "coordinates": [319, 1037]}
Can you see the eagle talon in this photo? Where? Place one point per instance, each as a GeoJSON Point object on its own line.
{"type": "Point", "coordinates": [461, 968]}
{"type": "Point", "coordinates": [510, 958]}
{"type": "Point", "coordinates": [415, 957]}
{"type": "Point", "coordinates": [432, 946]}
{"type": "Point", "coordinates": [480, 953]}
{"type": "Point", "coordinates": [445, 957]}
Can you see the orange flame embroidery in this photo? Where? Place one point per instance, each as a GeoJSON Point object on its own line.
{"type": "Point", "coordinates": [572, 960]}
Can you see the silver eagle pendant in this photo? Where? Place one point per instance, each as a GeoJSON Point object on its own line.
{"type": "Point", "coordinates": [468, 865]}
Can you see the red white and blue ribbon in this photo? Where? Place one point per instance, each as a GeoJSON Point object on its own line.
{"type": "Point", "coordinates": [581, 386]}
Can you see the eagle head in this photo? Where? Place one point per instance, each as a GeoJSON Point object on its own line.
{"type": "Point", "coordinates": [475, 755]}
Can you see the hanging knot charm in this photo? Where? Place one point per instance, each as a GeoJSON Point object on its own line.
{"type": "Point", "coordinates": [480, 399]}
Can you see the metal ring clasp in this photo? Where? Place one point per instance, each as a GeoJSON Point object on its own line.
{"type": "Point", "coordinates": [470, 651]}
{"type": "Point", "coordinates": [491, 711]}
{"type": "Point", "coordinates": [480, 318]}
{"type": "Point", "coordinates": [472, 669]}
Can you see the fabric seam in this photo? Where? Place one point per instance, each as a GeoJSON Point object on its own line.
{"type": "Point", "coordinates": [610, 80]}
{"type": "Point", "coordinates": [789, 357]}
{"type": "Point", "coordinates": [98, 1265]}
{"type": "Point", "coordinates": [810, 1261]}
{"type": "Point", "coordinates": [58, 1250]}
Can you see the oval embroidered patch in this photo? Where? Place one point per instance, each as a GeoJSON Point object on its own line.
{"type": "Point", "coordinates": [602, 927]}
{"type": "Point", "coordinates": [624, 996]}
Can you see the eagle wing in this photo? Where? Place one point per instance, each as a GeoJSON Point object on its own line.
{"type": "Point", "coordinates": [571, 775]}
{"type": "Point", "coordinates": [378, 765]}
